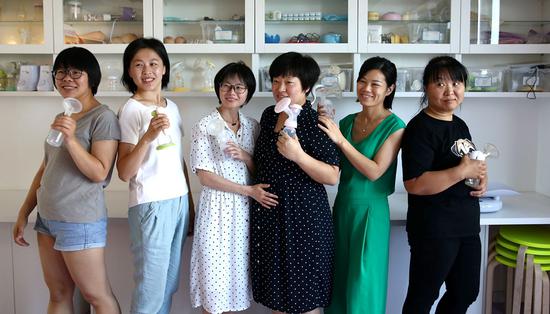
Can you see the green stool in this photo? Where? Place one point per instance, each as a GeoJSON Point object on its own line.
{"type": "Point", "coordinates": [521, 248]}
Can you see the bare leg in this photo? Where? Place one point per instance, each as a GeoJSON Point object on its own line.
{"type": "Point", "coordinates": [56, 276]}
{"type": "Point", "coordinates": [87, 268]}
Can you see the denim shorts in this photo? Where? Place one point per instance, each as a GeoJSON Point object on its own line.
{"type": "Point", "coordinates": [71, 236]}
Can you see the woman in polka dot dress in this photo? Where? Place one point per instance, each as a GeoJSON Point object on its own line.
{"type": "Point", "coordinates": [292, 244]}
{"type": "Point", "coordinates": [220, 272]}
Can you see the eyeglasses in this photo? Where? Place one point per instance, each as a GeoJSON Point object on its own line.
{"type": "Point", "coordinates": [60, 74]}
{"type": "Point", "coordinates": [238, 88]}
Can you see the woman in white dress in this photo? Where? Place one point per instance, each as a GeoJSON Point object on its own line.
{"type": "Point", "coordinates": [221, 156]}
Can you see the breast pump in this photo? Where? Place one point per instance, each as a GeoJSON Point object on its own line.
{"type": "Point", "coordinates": [330, 84]}
{"type": "Point", "coordinates": [70, 106]}
{"type": "Point", "coordinates": [292, 110]}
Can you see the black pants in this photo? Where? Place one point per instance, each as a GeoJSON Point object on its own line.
{"type": "Point", "coordinates": [455, 261]}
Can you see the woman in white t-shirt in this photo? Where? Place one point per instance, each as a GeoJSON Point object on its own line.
{"type": "Point", "coordinates": [150, 157]}
{"type": "Point", "coordinates": [222, 146]}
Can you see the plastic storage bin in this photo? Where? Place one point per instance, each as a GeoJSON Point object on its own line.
{"type": "Point", "coordinates": [529, 78]}
{"type": "Point", "coordinates": [223, 31]}
{"type": "Point", "coordinates": [429, 33]}
{"type": "Point", "coordinates": [414, 83]}
{"type": "Point", "coordinates": [485, 80]}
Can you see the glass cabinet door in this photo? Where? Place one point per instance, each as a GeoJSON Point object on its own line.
{"type": "Point", "coordinates": [25, 26]}
{"type": "Point", "coordinates": [306, 26]}
{"type": "Point", "coordinates": [104, 26]}
{"type": "Point", "coordinates": [208, 26]}
{"type": "Point", "coordinates": [409, 26]}
{"type": "Point", "coordinates": [507, 26]}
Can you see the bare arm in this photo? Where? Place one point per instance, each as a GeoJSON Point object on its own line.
{"type": "Point", "coordinates": [433, 182]}
{"type": "Point", "coordinates": [220, 183]}
{"type": "Point", "coordinates": [27, 207]}
{"type": "Point", "coordinates": [319, 171]}
{"type": "Point", "coordinates": [370, 168]}
{"type": "Point", "coordinates": [130, 156]}
{"type": "Point", "coordinates": [96, 164]}
{"type": "Point", "coordinates": [190, 200]}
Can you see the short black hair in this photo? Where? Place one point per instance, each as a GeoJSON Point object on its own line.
{"type": "Point", "coordinates": [304, 67]}
{"type": "Point", "coordinates": [80, 59]}
{"type": "Point", "coordinates": [240, 70]}
{"type": "Point", "coordinates": [442, 66]}
{"type": "Point", "coordinates": [129, 54]}
{"type": "Point", "coordinates": [387, 68]}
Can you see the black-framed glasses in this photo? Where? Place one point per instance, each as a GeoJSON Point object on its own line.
{"type": "Point", "coordinates": [238, 88]}
{"type": "Point", "coordinates": [73, 73]}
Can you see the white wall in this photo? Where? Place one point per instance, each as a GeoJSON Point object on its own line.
{"type": "Point", "coordinates": [516, 125]}
{"type": "Point", "coordinates": [543, 165]}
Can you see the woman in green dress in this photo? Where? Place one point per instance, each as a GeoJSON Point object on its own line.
{"type": "Point", "coordinates": [369, 141]}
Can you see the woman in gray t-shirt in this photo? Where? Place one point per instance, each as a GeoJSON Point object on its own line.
{"type": "Point", "coordinates": [68, 188]}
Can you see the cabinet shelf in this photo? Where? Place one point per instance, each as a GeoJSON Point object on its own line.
{"type": "Point", "coordinates": [17, 22]}
{"type": "Point", "coordinates": [345, 95]}
{"type": "Point", "coordinates": [88, 23]}
{"type": "Point", "coordinates": [211, 22]}
{"type": "Point", "coordinates": [510, 22]}
{"type": "Point", "coordinates": [294, 22]}
{"type": "Point", "coordinates": [405, 22]}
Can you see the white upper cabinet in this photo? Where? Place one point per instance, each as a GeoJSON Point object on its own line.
{"type": "Point", "coordinates": [26, 26]}
{"type": "Point", "coordinates": [102, 26]}
{"type": "Point", "coordinates": [505, 26]}
{"type": "Point", "coordinates": [206, 26]}
{"type": "Point", "coordinates": [412, 26]}
{"type": "Point", "coordinates": [323, 26]}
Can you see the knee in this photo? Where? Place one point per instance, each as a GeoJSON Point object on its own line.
{"type": "Point", "coordinates": [61, 293]}
{"type": "Point", "coordinates": [96, 296]}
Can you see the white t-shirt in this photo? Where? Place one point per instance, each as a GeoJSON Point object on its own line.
{"type": "Point", "coordinates": [160, 176]}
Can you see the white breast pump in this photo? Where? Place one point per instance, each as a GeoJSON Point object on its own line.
{"type": "Point", "coordinates": [71, 105]}
{"type": "Point", "coordinates": [216, 128]}
{"type": "Point", "coordinates": [292, 110]}
{"type": "Point", "coordinates": [331, 85]}
{"type": "Point", "coordinates": [489, 151]}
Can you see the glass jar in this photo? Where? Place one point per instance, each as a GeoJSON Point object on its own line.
{"type": "Point", "coordinates": [11, 82]}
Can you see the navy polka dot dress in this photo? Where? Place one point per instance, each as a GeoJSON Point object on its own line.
{"type": "Point", "coordinates": [292, 245]}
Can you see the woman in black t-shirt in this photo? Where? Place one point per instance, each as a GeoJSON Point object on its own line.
{"type": "Point", "coordinates": [443, 214]}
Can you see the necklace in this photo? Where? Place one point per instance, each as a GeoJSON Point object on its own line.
{"type": "Point", "coordinates": [364, 128]}
{"type": "Point", "coordinates": [233, 123]}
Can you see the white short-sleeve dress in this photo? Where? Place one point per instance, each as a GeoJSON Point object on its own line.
{"type": "Point", "coordinates": [220, 271]}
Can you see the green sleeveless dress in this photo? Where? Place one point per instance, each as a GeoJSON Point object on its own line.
{"type": "Point", "coordinates": [362, 227]}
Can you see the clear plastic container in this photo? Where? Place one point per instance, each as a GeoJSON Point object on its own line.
{"type": "Point", "coordinates": [414, 83]}
{"type": "Point", "coordinates": [528, 78]}
{"type": "Point", "coordinates": [485, 80]}
{"type": "Point", "coordinates": [403, 77]}
{"type": "Point", "coordinates": [429, 33]}
{"type": "Point", "coordinates": [223, 31]}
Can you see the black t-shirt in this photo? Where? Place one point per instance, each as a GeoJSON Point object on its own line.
{"type": "Point", "coordinates": [428, 146]}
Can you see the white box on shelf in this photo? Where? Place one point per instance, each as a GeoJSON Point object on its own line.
{"type": "Point", "coordinates": [375, 34]}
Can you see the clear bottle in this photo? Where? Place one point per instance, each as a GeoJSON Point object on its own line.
{"type": "Point", "coordinates": [73, 10]}
{"type": "Point", "coordinates": [54, 138]}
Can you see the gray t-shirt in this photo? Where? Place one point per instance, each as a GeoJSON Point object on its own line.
{"type": "Point", "coordinates": [65, 194]}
